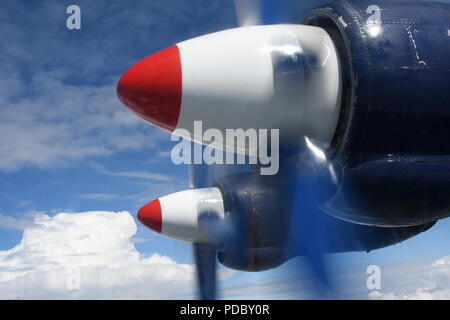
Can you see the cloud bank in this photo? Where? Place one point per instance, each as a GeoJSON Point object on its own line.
{"type": "Point", "coordinates": [88, 256]}
{"type": "Point", "coordinates": [435, 285]}
{"type": "Point", "coordinates": [91, 255]}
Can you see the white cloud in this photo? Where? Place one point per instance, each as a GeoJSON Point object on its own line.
{"type": "Point", "coordinates": [96, 246]}
{"type": "Point", "coordinates": [435, 285]}
{"type": "Point", "coordinates": [58, 103]}
{"type": "Point", "coordinates": [52, 112]}
{"type": "Point", "coordinates": [23, 203]}
{"type": "Point", "coordinates": [98, 196]}
{"type": "Point", "coordinates": [15, 223]}
{"type": "Point", "coordinates": [134, 174]}
{"type": "Point", "coordinates": [150, 191]}
{"type": "Point", "coordinates": [61, 124]}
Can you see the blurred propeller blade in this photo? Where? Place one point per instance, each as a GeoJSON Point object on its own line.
{"type": "Point", "coordinates": [248, 12]}
{"type": "Point", "coordinates": [258, 12]}
{"type": "Point", "coordinates": [212, 229]}
{"type": "Point", "coordinates": [310, 180]}
{"type": "Point", "coordinates": [205, 259]}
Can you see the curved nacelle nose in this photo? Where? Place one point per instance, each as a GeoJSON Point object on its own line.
{"type": "Point", "coordinates": [284, 77]}
{"type": "Point", "coordinates": [177, 215]}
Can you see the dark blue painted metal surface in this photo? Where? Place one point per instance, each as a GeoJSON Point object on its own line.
{"type": "Point", "coordinates": [397, 110]}
{"type": "Point", "coordinates": [392, 147]}
{"type": "Point", "coordinates": [401, 98]}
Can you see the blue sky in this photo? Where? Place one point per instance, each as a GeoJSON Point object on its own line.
{"type": "Point", "coordinates": [68, 145]}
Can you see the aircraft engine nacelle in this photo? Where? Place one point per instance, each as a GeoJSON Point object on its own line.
{"type": "Point", "coordinates": [246, 216]}
{"type": "Point", "coordinates": [392, 138]}
{"type": "Point", "coordinates": [243, 214]}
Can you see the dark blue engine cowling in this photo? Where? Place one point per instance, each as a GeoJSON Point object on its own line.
{"type": "Point", "coordinates": [393, 140]}
{"type": "Point", "coordinates": [258, 219]}
{"type": "Point", "coordinates": [262, 229]}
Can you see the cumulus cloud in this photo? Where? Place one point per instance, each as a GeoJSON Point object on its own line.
{"type": "Point", "coordinates": [435, 285]}
{"type": "Point", "coordinates": [88, 255]}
